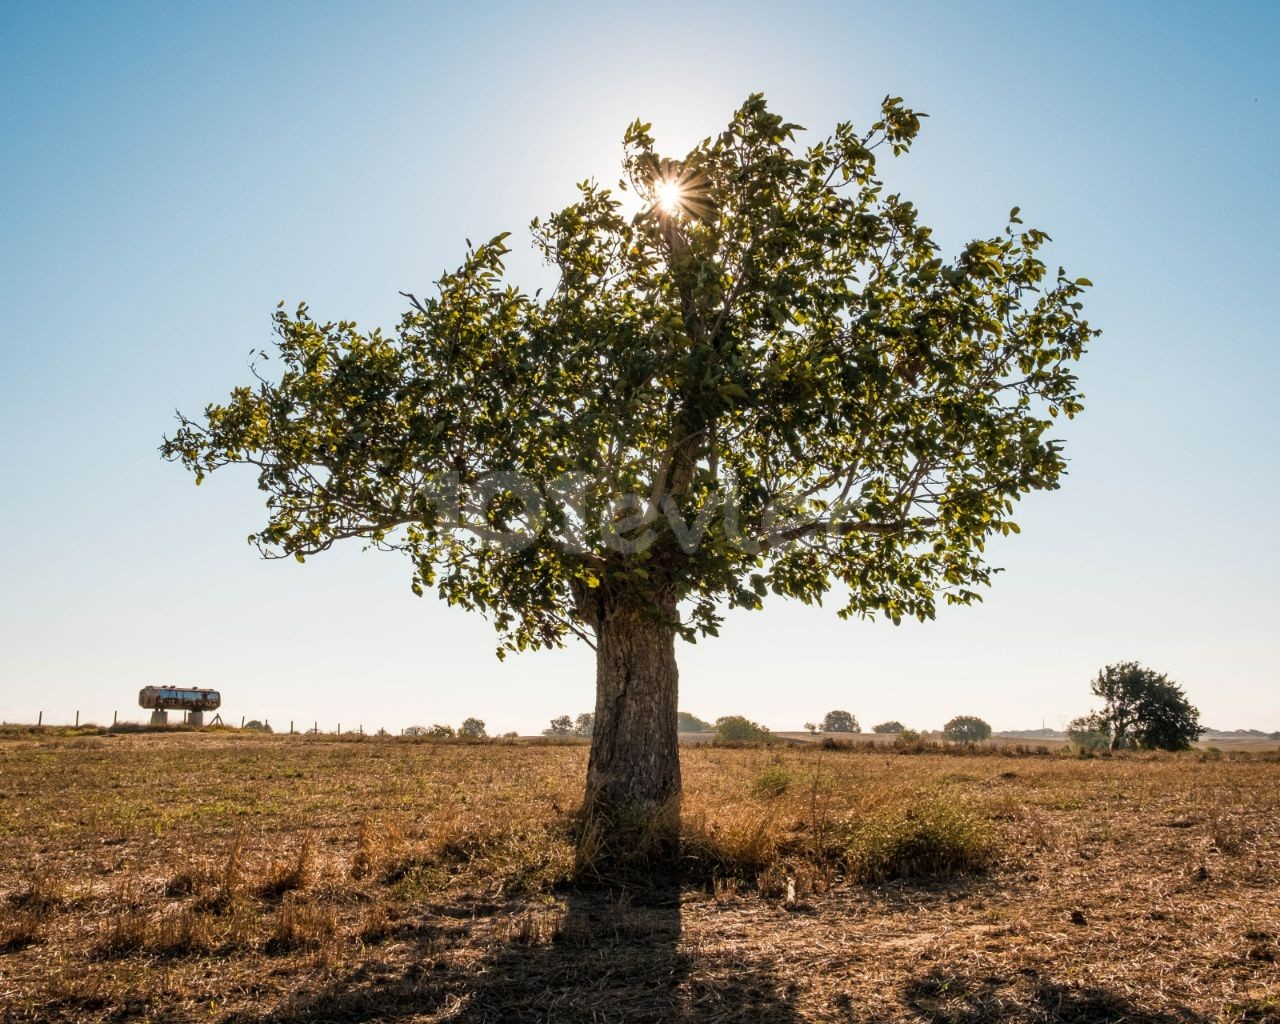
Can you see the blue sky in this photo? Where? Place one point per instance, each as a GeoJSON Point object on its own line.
{"type": "Point", "coordinates": [170, 172]}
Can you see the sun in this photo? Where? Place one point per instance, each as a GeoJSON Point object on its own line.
{"type": "Point", "coordinates": [669, 196]}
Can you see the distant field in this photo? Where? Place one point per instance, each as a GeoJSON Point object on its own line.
{"type": "Point", "coordinates": [254, 878]}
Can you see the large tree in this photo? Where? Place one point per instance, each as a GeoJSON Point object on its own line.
{"type": "Point", "coordinates": [768, 381]}
{"type": "Point", "coordinates": [1141, 708]}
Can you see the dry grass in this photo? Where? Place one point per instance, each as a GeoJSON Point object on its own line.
{"type": "Point", "coordinates": [298, 879]}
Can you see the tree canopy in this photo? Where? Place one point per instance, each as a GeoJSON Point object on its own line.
{"type": "Point", "coordinates": [966, 729]}
{"type": "Point", "coordinates": [1142, 708]}
{"type": "Point", "coordinates": [767, 381]}
{"type": "Point", "coordinates": [840, 721]}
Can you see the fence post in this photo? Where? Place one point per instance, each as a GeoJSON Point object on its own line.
{"type": "Point", "coordinates": [242, 721]}
{"type": "Point", "coordinates": [115, 718]}
{"type": "Point", "coordinates": [316, 728]}
{"type": "Point", "coordinates": [77, 719]}
{"type": "Point", "coordinates": [40, 720]}
{"type": "Point", "coordinates": [291, 727]}
{"type": "Point", "coordinates": [339, 728]}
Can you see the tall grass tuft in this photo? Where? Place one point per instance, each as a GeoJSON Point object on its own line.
{"type": "Point", "coordinates": [923, 837]}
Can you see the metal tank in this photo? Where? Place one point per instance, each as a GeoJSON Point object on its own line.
{"type": "Point", "coordinates": [163, 699]}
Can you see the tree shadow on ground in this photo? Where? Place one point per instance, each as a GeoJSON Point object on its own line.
{"type": "Point", "coordinates": [945, 998]}
{"type": "Point", "coordinates": [603, 956]}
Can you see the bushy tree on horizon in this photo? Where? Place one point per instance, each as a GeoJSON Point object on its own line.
{"type": "Point", "coordinates": [966, 729]}
{"type": "Point", "coordinates": [740, 729]}
{"type": "Point", "coordinates": [891, 726]}
{"type": "Point", "coordinates": [585, 725]}
{"type": "Point", "coordinates": [562, 725]}
{"type": "Point", "coordinates": [840, 721]}
{"type": "Point", "coordinates": [472, 729]}
{"type": "Point", "coordinates": [688, 722]}
{"type": "Point", "coordinates": [768, 382]}
{"type": "Point", "coordinates": [1142, 708]}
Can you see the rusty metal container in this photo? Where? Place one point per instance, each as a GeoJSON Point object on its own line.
{"type": "Point", "coordinates": [178, 698]}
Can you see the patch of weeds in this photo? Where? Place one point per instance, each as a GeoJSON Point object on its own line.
{"type": "Point", "coordinates": [923, 838]}
{"type": "Point", "coordinates": [774, 781]}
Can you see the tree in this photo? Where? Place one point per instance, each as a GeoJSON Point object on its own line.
{"type": "Point", "coordinates": [440, 731]}
{"type": "Point", "coordinates": [812, 728]}
{"type": "Point", "coordinates": [966, 729]}
{"type": "Point", "coordinates": [561, 726]}
{"type": "Point", "coordinates": [472, 729]}
{"type": "Point", "coordinates": [585, 725]}
{"type": "Point", "coordinates": [686, 722]}
{"type": "Point", "coordinates": [1142, 708]}
{"type": "Point", "coordinates": [769, 381]}
{"type": "Point", "coordinates": [891, 726]}
{"type": "Point", "coordinates": [840, 721]}
{"type": "Point", "coordinates": [737, 729]}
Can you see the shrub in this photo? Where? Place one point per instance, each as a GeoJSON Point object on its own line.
{"type": "Point", "coordinates": [926, 837]}
{"type": "Point", "coordinates": [1088, 735]}
{"type": "Point", "coordinates": [892, 726]}
{"type": "Point", "coordinates": [811, 728]}
{"type": "Point", "coordinates": [737, 729]}
{"type": "Point", "coordinates": [253, 725]}
{"type": "Point", "coordinates": [686, 722]}
{"type": "Point", "coordinates": [439, 731]}
{"type": "Point", "coordinates": [840, 721]}
{"type": "Point", "coordinates": [909, 738]}
{"type": "Point", "coordinates": [966, 729]}
{"type": "Point", "coordinates": [773, 781]}
{"type": "Point", "coordinates": [472, 729]}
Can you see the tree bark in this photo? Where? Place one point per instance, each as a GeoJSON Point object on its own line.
{"type": "Point", "coordinates": [635, 760]}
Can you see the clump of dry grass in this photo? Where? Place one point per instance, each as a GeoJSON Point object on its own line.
{"type": "Point", "coordinates": [125, 932]}
{"type": "Point", "coordinates": [181, 933]}
{"type": "Point", "coordinates": [43, 892]}
{"type": "Point", "coordinates": [302, 926]}
{"type": "Point", "coordinates": [196, 877]}
{"type": "Point", "coordinates": [923, 837]}
{"type": "Point", "coordinates": [376, 844]}
{"type": "Point", "coordinates": [290, 874]}
{"type": "Point", "coordinates": [20, 929]}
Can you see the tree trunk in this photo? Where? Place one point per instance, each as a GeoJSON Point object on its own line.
{"type": "Point", "coordinates": [635, 761]}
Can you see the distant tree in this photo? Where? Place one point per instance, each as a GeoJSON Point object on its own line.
{"type": "Point", "coordinates": [560, 726]}
{"type": "Point", "coordinates": [888, 727]}
{"type": "Point", "coordinates": [253, 725]}
{"type": "Point", "coordinates": [1142, 708]}
{"type": "Point", "coordinates": [966, 729]}
{"type": "Point", "coordinates": [440, 731]}
{"type": "Point", "coordinates": [414, 731]}
{"type": "Point", "coordinates": [472, 729]}
{"type": "Point", "coordinates": [686, 722]}
{"type": "Point", "coordinates": [584, 725]}
{"type": "Point", "coordinates": [1274, 736]}
{"type": "Point", "coordinates": [737, 729]}
{"type": "Point", "coordinates": [811, 728]}
{"type": "Point", "coordinates": [773, 349]}
{"type": "Point", "coordinates": [840, 721]}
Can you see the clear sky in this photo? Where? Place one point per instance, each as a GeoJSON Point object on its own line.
{"type": "Point", "coordinates": [168, 172]}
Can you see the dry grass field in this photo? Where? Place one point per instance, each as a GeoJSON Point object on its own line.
{"type": "Point", "coordinates": [246, 878]}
